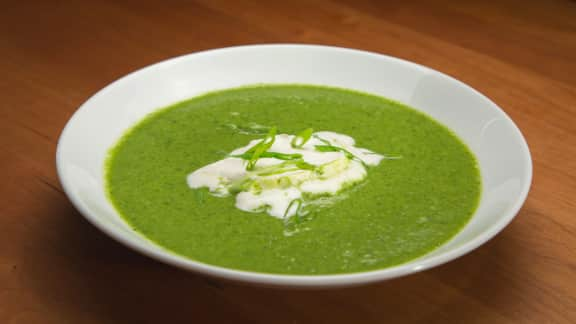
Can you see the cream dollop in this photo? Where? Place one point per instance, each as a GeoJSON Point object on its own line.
{"type": "Point", "coordinates": [280, 187]}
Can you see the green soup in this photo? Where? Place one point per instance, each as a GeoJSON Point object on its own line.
{"type": "Point", "coordinates": [406, 207]}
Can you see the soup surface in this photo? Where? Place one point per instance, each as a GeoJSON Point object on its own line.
{"type": "Point", "coordinates": [418, 197]}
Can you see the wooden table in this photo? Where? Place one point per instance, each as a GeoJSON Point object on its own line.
{"type": "Point", "coordinates": [56, 268]}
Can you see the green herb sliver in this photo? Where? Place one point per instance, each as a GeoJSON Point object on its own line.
{"type": "Point", "coordinates": [260, 148]}
{"type": "Point", "coordinates": [275, 155]}
{"type": "Point", "coordinates": [328, 147]}
{"type": "Point", "coordinates": [298, 203]}
{"type": "Point", "coordinates": [301, 138]}
{"type": "Point", "coordinates": [332, 148]}
{"type": "Point", "coordinates": [288, 166]}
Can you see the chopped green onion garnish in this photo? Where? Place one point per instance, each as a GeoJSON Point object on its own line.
{"type": "Point", "coordinates": [301, 138]}
{"type": "Point", "coordinates": [322, 140]}
{"type": "Point", "coordinates": [297, 202]}
{"type": "Point", "coordinates": [288, 166]}
{"type": "Point", "coordinates": [260, 148]}
{"type": "Point", "coordinates": [276, 155]}
{"type": "Point", "coordinates": [332, 148]}
{"type": "Point", "coordinates": [301, 164]}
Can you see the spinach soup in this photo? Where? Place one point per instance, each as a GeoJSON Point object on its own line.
{"type": "Point", "coordinates": [293, 179]}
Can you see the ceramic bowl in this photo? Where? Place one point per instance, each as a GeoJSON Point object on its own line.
{"type": "Point", "coordinates": [493, 137]}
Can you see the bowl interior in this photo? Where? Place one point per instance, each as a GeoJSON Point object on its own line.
{"type": "Point", "coordinates": [497, 143]}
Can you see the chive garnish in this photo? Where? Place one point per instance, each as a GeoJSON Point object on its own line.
{"type": "Point", "coordinates": [288, 166]}
{"type": "Point", "coordinates": [260, 148]}
{"type": "Point", "coordinates": [301, 138]}
{"type": "Point", "coordinates": [332, 148]}
{"type": "Point", "coordinates": [328, 147]}
{"type": "Point", "coordinates": [322, 140]}
{"type": "Point", "coordinates": [295, 201]}
{"type": "Point", "coordinates": [276, 155]}
{"type": "Point", "coordinates": [301, 164]}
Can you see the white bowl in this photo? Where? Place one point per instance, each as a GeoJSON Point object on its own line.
{"type": "Point", "coordinates": [502, 152]}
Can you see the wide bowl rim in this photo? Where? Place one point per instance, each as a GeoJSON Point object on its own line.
{"type": "Point", "coordinates": [286, 280]}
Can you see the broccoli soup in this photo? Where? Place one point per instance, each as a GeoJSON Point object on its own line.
{"type": "Point", "coordinates": [293, 179]}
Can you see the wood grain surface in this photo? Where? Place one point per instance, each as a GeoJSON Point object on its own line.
{"type": "Point", "coordinates": [56, 268]}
